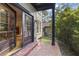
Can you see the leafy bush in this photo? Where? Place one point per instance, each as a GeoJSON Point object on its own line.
{"type": "Point", "coordinates": [67, 28]}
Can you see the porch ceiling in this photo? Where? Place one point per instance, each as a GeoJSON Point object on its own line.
{"type": "Point", "coordinates": [43, 6]}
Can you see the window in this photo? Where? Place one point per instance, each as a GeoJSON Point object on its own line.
{"type": "Point", "coordinates": [38, 26]}
{"type": "Point", "coordinates": [7, 27]}
{"type": "Point", "coordinates": [6, 24]}
{"type": "Point", "coordinates": [28, 23]}
{"type": "Point", "coordinates": [3, 20]}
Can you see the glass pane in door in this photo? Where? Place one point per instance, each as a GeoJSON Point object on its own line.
{"type": "Point", "coordinates": [27, 29]}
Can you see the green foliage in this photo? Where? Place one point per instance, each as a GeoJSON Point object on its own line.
{"type": "Point", "coordinates": [45, 40]}
{"type": "Point", "coordinates": [67, 27]}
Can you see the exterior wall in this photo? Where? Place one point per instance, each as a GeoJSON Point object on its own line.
{"type": "Point", "coordinates": [19, 14]}
{"type": "Point", "coordinates": [38, 17]}
{"type": "Point", "coordinates": [28, 6]}
{"type": "Point", "coordinates": [19, 20]}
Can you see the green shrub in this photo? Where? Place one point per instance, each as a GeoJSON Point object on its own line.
{"type": "Point", "coordinates": [67, 28]}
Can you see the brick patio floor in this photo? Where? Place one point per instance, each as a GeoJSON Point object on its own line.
{"type": "Point", "coordinates": [43, 49]}
{"type": "Point", "coordinates": [27, 49]}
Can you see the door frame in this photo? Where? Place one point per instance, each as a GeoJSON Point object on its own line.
{"type": "Point", "coordinates": [32, 26]}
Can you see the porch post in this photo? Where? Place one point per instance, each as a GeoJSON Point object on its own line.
{"type": "Point", "coordinates": [53, 25]}
{"type": "Point", "coordinates": [32, 29]}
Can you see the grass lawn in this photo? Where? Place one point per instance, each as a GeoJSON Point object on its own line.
{"type": "Point", "coordinates": [45, 40]}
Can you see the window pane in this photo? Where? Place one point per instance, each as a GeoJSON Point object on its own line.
{"type": "Point", "coordinates": [3, 20]}
{"type": "Point", "coordinates": [28, 25]}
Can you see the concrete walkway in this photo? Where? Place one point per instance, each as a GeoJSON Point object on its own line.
{"type": "Point", "coordinates": [43, 49]}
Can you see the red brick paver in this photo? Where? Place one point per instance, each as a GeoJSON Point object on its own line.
{"type": "Point", "coordinates": [27, 49]}
{"type": "Point", "coordinates": [45, 50]}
